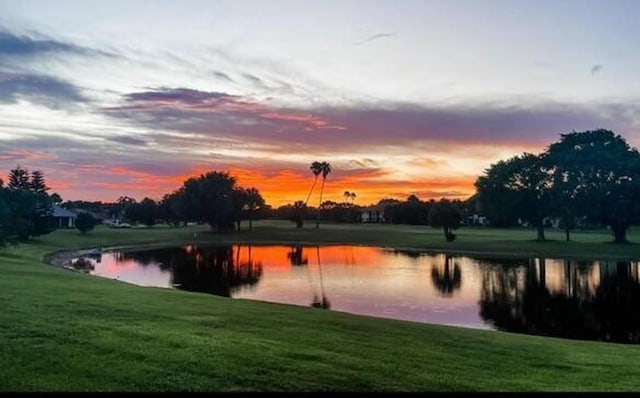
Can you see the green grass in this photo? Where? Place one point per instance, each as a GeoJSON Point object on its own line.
{"type": "Point", "coordinates": [65, 331]}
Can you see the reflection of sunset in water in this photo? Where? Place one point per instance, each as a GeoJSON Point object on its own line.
{"type": "Point", "coordinates": [509, 294]}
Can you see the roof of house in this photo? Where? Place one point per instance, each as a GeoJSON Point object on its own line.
{"type": "Point", "coordinates": [61, 212]}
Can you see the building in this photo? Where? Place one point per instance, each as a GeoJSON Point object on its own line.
{"type": "Point", "coordinates": [62, 218]}
{"type": "Point", "coordinates": [372, 214]}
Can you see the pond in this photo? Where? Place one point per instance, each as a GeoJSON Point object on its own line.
{"type": "Point", "coordinates": [590, 300]}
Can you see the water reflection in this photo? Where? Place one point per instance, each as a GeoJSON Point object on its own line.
{"type": "Point", "coordinates": [553, 297]}
{"type": "Point", "coordinates": [586, 300]}
{"type": "Point", "coordinates": [448, 277]}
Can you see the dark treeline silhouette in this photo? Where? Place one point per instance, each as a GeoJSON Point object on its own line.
{"type": "Point", "coordinates": [586, 178]}
{"type": "Point", "coordinates": [213, 198]}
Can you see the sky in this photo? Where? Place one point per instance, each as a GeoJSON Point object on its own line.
{"type": "Point", "coordinates": [130, 98]}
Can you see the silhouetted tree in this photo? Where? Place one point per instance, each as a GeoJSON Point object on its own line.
{"type": "Point", "coordinates": [325, 169]}
{"type": "Point", "coordinates": [596, 174]}
{"type": "Point", "coordinates": [170, 208]}
{"type": "Point", "coordinates": [146, 212]}
{"type": "Point", "coordinates": [19, 178]}
{"type": "Point", "coordinates": [299, 213]}
{"type": "Point", "coordinates": [445, 215]}
{"type": "Point", "coordinates": [85, 222]}
{"type": "Point", "coordinates": [316, 169]}
{"type": "Point", "coordinates": [254, 203]}
{"type": "Point", "coordinates": [517, 187]}
{"type": "Point", "coordinates": [37, 183]}
{"type": "Point", "coordinates": [209, 198]}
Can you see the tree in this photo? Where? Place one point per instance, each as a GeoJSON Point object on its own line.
{"type": "Point", "coordinates": [445, 215]}
{"type": "Point", "coordinates": [123, 204]}
{"type": "Point", "coordinates": [325, 169]}
{"type": "Point", "coordinates": [597, 175]}
{"type": "Point", "coordinates": [516, 188]}
{"type": "Point", "coordinates": [146, 212]}
{"type": "Point", "coordinates": [316, 169]}
{"type": "Point", "coordinates": [170, 208]}
{"type": "Point", "coordinates": [19, 178]}
{"type": "Point", "coordinates": [254, 203]}
{"type": "Point", "coordinates": [37, 183]}
{"type": "Point", "coordinates": [85, 222]}
{"type": "Point", "coordinates": [56, 199]}
{"type": "Point", "coordinates": [299, 213]}
{"type": "Point", "coordinates": [209, 198]}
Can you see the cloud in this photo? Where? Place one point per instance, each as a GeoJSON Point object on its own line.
{"type": "Point", "coordinates": [40, 89]}
{"type": "Point", "coordinates": [167, 105]}
{"type": "Point", "coordinates": [373, 37]}
{"type": "Point", "coordinates": [14, 45]}
{"type": "Point", "coordinates": [222, 75]}
{"type": "Point", "coordinates": [128, 140]}
{"type": "Point", "coordinates": [370, 127]}
{"type": "Point", "coordinates": [596, 68]}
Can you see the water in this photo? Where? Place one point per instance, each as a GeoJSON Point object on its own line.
{"type": "Point", "coordinates": [592, 300]}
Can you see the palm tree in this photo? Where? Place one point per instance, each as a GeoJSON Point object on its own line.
{"type": "Point", "coordinates": [347, 195]}
{"type": "Point", "coordinates": [325, 169]}
{"type": "Point", "coordinates": [316, 169]}
{"type": "Point", "coordinates": [352, 195]}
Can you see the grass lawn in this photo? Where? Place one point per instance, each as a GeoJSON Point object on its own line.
{"type": "Point", "coordinates": [65, 331]}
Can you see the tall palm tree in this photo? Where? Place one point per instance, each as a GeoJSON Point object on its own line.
{"type": "Point", "coordinates": [325, 169]}
{"type": "Point", "coordinates": [316, 169]}
{"type": "Point", "coordinates": [347, 195]}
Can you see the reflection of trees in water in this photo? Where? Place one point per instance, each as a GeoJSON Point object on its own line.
{"type": "Point", "coordinates": [519, 300]}
{"type": "Point", "coordinates": [296, 256]}
{"type": "Point", "coordinates": [446, 278]}
{"type": "Point", "coordinates": [165, 258]}
{"type": "Point", "coordinates": [204, 269]}
{"type": "Point", "coordinates": [323, 303]}
{"type": "Point", "coordinates": [213, 270]}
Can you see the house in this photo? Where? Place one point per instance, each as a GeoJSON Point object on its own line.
{"type": "Point", "coordinates": [62, 218]}
{"type": "Point", "coordinates": [372, 214]}
{"type": "Point", "coordinates": [476, 219]}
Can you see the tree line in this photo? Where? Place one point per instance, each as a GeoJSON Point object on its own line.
{"type": "Point", "coordinates": [213, 198]}
{"type": "Point", "coordinates": [585, 178]}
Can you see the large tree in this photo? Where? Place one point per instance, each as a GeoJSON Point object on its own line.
{"type": "Point", "coordinates": [597, 175]}
{"type": "Point", "coordinates": [516, 188]}
{"type": "Point", "coordinates": [209, 198]}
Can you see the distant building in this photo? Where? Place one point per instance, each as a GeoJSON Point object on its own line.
{"type": "Point", "coordinates": [372, 214]}
{"type": "Point", "coordinates": [476, 219]}
{"type": "Point", "coordinates": [62, 218]}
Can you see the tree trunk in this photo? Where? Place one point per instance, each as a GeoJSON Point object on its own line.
{"type": "Point", "coordinates": [311, 190]}
{"type": "Point", "coordinates": [320, 203]}
{"type": "Point", "coordinates": [619, 234]}
{"type": "Point", "coordinates": [540, 229]}
{"type": "Point", "coordinates": [566, 224]}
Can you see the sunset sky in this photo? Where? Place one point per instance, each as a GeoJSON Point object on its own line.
{"type": "Point", "coordinates": [402, 97]}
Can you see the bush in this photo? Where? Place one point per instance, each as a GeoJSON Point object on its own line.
{"type": "Point", "coordinates": [85, 222]}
